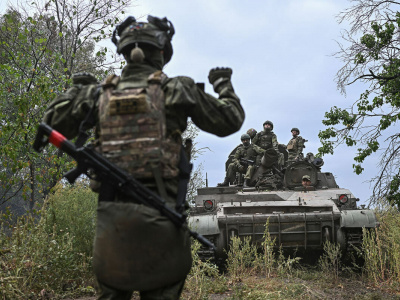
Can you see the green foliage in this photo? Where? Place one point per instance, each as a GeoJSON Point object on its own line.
{"type": "Point", "coordinates": [370, 122]}
{"type": "Point", "coordinates": [241, 257]}
{"type": "Point", "coordinates": [203, 278]}
{"type": "Point", "coordinates": [50, 251]}
{"type": "Point", "coordinates": [381, 248]}
{"type": "Point", "coordinates": [266, 262]}
{"type": "Point", "coordinates": [330, 261]}
{"type": "Point", "coordinates": [26, 86]}
{"type": "Point", "coordinates": [41, 45]}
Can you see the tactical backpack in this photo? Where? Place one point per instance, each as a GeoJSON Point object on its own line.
{"type": "Point", "coordinates": [133, 129]}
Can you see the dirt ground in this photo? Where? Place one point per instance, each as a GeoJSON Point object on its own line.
{"type": "Point", "coordinates": [260, 287]}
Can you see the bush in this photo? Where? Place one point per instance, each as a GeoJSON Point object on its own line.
{"type": "Point", "coordinates": [381, 248]}
{"type": "Point", "coordinates": [203, 278]}
{"type": "Point", "coordinates": [50, 253]}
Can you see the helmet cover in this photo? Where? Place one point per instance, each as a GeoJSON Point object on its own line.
{"type": "Point", "coordinates": [252, 132]}
{"type": "Point", "coordinates": [156, 32]}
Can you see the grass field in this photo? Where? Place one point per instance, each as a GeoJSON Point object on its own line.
{"type": "Point", "coordinates": [48, 256]}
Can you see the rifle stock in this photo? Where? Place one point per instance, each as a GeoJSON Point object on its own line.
{"type": "Point", "coordinates": [107, 172]}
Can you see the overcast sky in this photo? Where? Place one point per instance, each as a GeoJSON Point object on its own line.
{"type": "Point", "coordinates": [283, 69]}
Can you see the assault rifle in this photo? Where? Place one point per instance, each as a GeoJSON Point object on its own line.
{"type": "Point", "coordinates": [247, 162]}
{"type": "Point", "coordinates": [111, 176]}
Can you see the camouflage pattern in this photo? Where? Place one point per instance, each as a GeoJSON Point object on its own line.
{"type": "Point", "coordinates": [133, 129]}
{"type": "Point", "coordinates": [156, 32]}
{"type": "Point", "coordinates": [251, 152]}
{"type": "Point", "coordinates": [221, 116]}
{"type": "Point", "coordinates": [295, 148]}
{"type": "Point", "coordinates": [252, 133]}
{"type": "Point", "coordinates": [266, 139]}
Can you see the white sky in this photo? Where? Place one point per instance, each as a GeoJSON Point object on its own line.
{"type": "Point", "coordinates": [283, 69]}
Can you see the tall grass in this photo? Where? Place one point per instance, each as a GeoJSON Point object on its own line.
{"type": "Point", "coordinates": [50, 253]}
{"type": "Point", "coordinates": [330, 261]}
{"type": "Point", "coordinates": [203, 279]}
{"type": "Point", "coordinates": [381, 247]}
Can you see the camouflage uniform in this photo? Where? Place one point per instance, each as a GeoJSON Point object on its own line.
{"type": "Point", "coordinates": [266, 140]}
{"type": "Point", "coordinates": [183, 99]}
{"type": "Point", "coordinates": [295, 148]}
{"type": "Point", "coordinates": [250, 152]}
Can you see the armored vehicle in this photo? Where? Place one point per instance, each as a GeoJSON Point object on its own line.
{"type": "Point", "coordinates": [299, 217]}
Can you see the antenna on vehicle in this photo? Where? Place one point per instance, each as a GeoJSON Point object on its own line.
{"type": "Point", "coordinates": [206, 180]}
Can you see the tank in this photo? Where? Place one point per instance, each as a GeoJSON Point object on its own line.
{"type": "Point", "coordinates": [300, 218]}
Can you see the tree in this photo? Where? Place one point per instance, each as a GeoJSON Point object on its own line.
{"type": "Point", "coordinates": [371, 55]}
{"type": "Point", "coordinates": [41, 45]}
{"type": "Point", "coordinates": [196, 177]}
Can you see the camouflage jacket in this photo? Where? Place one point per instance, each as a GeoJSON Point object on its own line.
{"type": "Point", "coordinates": [251, 152]}
{"type": "Point", "coordinates": [295, 146]}
{"type": "Point", "coordinates": [266, 140]}
{"type": "Point", "coordinates": [221, 116]}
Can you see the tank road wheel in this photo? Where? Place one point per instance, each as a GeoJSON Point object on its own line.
{"type": "Point", "coordinates": [326, 234]}
{"type": "Point", "coordinates": [221, 252]}
{"type": "Point", "coordinates": [341, 239]}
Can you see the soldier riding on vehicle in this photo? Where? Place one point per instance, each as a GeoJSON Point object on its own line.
{"type": "Point", "coordinates": [246, 158]}
{"type": "Point", "coordinates": [268, 141]}
{"type": "Point", "coordinates": [295, 146]}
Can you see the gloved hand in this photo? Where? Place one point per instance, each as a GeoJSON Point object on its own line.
{"type": "Point", "coordinates": [217, 73]}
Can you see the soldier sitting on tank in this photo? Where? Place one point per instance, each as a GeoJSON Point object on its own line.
{"type": "Point", "coordinates": [246, 158]}
{"type": "Point", "coordinates": [268, 141]}
{"type": "Point", "coordinates": [295, 147]}
{"type": "Point", "coordinates": [252, 133]}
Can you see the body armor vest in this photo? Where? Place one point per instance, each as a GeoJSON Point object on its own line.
{"type": "Point", "coordinates": [249, 153]}
{"type": "Point", "coordinates": [265, 140]}
{"type": "Point", "coordinates": [292, 145]}
{"type": "Point", "coordinates": [133, 129]}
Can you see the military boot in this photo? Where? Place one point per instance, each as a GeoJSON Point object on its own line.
{"type": "Point", "coordinates": [246, 183]}
{"type": "Point", "coordinates": [225, 183]}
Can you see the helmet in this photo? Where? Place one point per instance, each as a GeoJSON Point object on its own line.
{"type": "Point", "coordinates": [295, 129]}
{"type": "Point", "coordinates": [245, 137]}
{"type": "Point", "coordinates": [157, 32]}
{"type": "Point", "coordinates": [306, 177]}
{"type": "Point", "coordinates": [270, 123]}
{"type": "Point", "coordinates": [252, 132]}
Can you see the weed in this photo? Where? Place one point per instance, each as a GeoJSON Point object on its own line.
{"type": "Point", "coordinates": [49, 254]}
{"type": "Point", "coordinates": [203, 278]}
{"type": "Point", "coordinates": [330, 261]}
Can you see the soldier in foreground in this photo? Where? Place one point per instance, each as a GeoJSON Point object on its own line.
{"type": "Point", "coordinates": [138, 119]}
{"type": "Point", "coordinates": [295, 146]}
{"type": "Point", "coordinates": [246, 158]}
